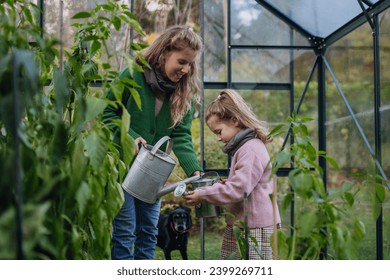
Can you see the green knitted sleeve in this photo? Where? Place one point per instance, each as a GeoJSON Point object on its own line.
{"type": "Point", "coordinates": [183, 146]}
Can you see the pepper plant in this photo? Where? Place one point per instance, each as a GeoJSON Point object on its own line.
{"type": "Point", "coordinates": [61, 174]}
{"type": "Point", "coordinates": [320, 230]}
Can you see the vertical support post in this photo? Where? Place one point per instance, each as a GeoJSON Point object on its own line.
{"type": "Point", "coordinates": [321, 126]}
{"type": "Point", "coordinates": [228, 45]}
{"type": "Point", "coordinates": [202, 161]}
{"type": "Point", "coordinates": [292, 109]}
{"type": "Point", "coordinates": [377, 120]}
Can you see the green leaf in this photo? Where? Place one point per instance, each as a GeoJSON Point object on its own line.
{"type": "Point", "coordinates": [83, 14]}
{"type": "Point", "coordinates": [117, 89]}
{"type": "Point", "coordinates": [311, 151]}
{"type": "Point", "coordinates": [349, 198]}
{"type": "Point", "coordinates": [359, 229]}
{"type": "Point", "coordinates": [106, 65]}
{"type": "Point", "coordinates": [79, 163]}
{"type": "Point", "coordinates": [107, 7]}
{"type": "Point", "coordinates": [58, 146]}
{"type": "Point", "coordinates": [61, 90]}
{"type": "Point", "coordinates": [103, 18]}
{"type": "Point", "coordinates": [347, 186]}
{"type": "Point", "coordinates": [332, 162]}
{"type": "Point", "coordinates": [95, 106]}
{"type": "Point", "coordinates": [137, 46]}
{"type": "Point", "coordinates": [83, 196]}
{"type": "Point", "coordinates": [95, 46]}
{"type": "Point", "coordinates": [90, 38]}
{"type": "Point", "coordinates": [277, 130]}
{"type": "Point", "coordinates": [117, 23]}
{"type": "Point", "coordinates": [282, 158]}
{"type": "Point", "coordinates": [136, 97]}
{"type": "Point", "coordinates": [34, 225]}
{"type": "Point", "coordinates": [88, 68]}
{"type": "Point", "coordinates": [237, 232]}
{"type": "Point", "coordinates": [305, 130]}
{"type": "Point", "coordinates": [126, 141]}
{"type": "Point", "coordinates": [287, 201]}
{"type": "Point", "coordinates": [133, 23]}
{"type": "Point", "coordinates": [380, 193]}
{"type": "Point", "coordinates": [25, 60]}
{"type": "Point", "coordinates": [96, 148]}
{"type": "Point", "coordinates": [307, 223]}
{"type": "Point", "coordinates": [306, 119]}
{"type": "Point", "coordinates": [301, 182]}
{"type": "Point", "coordinates": [142, 58]}
{"type": "Point", "coordinates": [130, 82]}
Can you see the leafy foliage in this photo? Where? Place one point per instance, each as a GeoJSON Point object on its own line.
{"type": "Point", "coordinates": [320, 230]}
{"type": "Point", "coordinates": [70, 170]}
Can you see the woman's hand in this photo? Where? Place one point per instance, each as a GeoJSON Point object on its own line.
{"type": "Point", "coordinates": [192, 198]}
{"type": "Point", "coordinates": [196, 173]}
{"type": "Point", "coordinates": [137, 142]}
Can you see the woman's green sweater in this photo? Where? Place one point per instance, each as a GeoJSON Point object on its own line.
{"type": "Point", "coordinates": [145, 124]}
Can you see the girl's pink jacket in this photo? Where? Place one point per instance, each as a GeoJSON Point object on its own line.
{"type": "Point", "coordinates": [248, 174]}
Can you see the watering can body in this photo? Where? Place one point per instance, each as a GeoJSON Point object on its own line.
{"type": "Point", "coordinates": [150, 171]}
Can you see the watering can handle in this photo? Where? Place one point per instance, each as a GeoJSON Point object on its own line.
{"type": "Point", "coordinates": [211, 174]}
{"type": "Point", "coordinates": [160, 143]}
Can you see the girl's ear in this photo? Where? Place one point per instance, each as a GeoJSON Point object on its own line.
{"type": "Point", "coordinates": [235, 121]}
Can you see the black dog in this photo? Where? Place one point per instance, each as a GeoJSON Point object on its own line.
{"type": "Point", "coordinates": [173, 231]}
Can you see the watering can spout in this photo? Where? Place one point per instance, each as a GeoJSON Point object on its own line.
{"type": "Point", "coordinates": [178, 187]}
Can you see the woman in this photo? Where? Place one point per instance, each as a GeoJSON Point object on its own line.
{"type": "Point", "coordinates": [168, 92]}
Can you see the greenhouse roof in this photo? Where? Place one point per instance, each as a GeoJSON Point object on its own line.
{"type": "Point", "coordinates": [327, 19]}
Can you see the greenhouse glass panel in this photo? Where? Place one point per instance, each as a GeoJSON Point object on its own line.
{"type": "Point", "coordinates": [214, 41]}
{"type": "Point", "coordinates": [251, 24]}
{"type": "Point", "coordinates": [214, 158]}
{"type": "Point", "coordinates": [58, 22]}
{"type": "Point", "coordinates": [318, 17]}
{"type": "Point", "coordinates": [385, 88]}
{"type": "Point", "coordinates": [308, 106]}
{"type": "Point", "coordinates": [352, 64]}
{"type": "Point", "coordinates": [270, 65]}
{"type": "Point", "coordinates": [351, 59]}
{"type": "Point", "coordinates": [270, 106]}
{"type": "Point", "coordinates": [303, 64]}
{"type": "Point", "coordinates": [353, 53]}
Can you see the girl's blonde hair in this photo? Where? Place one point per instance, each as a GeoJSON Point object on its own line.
{"type": "Point", "coordinates": [178, 38]}
{"type": "Point", "coordinates": [229, 105]}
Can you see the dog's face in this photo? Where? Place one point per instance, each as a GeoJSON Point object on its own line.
{"type": "Point", "coordinates": [181, 219]}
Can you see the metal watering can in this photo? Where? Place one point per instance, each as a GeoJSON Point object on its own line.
{"type": "Point", "coordinates": [206, 209]}
{"type": "Point", "coordinates": [150, 171]}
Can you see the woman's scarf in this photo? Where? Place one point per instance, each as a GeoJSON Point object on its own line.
{"type": "Point", "coordinates": [238, 140]}
{"type": "Point", "coordinates": [158, 82]}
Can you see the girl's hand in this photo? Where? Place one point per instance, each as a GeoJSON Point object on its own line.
{"type": "Point", "coordinates": [137, 143]}
{"type": "Point", "coordinates": [192, 198]}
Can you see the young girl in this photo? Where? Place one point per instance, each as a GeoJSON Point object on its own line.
{"type": "Point", "coordinates": [234, 123]}
{"type": "Point", "coordinates": [168, 92]}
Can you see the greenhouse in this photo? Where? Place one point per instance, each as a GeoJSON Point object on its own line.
{"type": "Point", "coordinates": [317, 72]}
